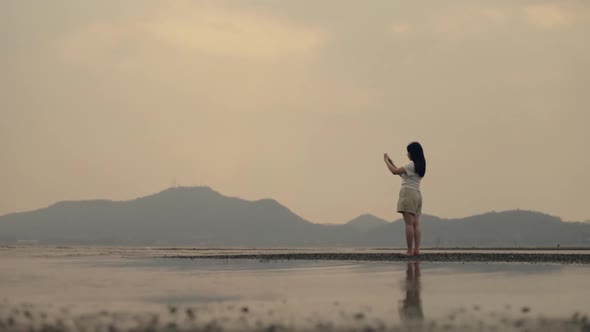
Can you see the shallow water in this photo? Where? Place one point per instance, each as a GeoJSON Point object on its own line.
{"type": "Point", "coordinates": [76, 281]}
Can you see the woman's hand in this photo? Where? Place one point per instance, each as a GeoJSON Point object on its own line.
{"type": "Point", "coordinates": [391, 166]}
{"type": "Point", "coordinates": [387, 159]}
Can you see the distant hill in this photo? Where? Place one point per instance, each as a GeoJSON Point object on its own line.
{"type": "Point", "coordinates": [517, 228]}
{"type": "Point", "coordinates": [200, 216]}
{"type": "Point", "coordinates": [185, 215]}
{"type": "Point", "coordinates": [366, 222]}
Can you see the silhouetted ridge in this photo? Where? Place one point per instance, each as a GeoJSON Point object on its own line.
{"type": "Point", "coordinates": [200, 216]}
{"type": "Point", "coordinates": [366, 222]}
{"type": "Point", "coordinates": [83, 203]}
{"type": "Point", "coordinates": [176, 192]}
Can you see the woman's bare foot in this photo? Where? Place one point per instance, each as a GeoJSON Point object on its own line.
{"type": "Point", "coordinates": [410, 252]}
{"type": "Point", "coordinates": [416, 252]}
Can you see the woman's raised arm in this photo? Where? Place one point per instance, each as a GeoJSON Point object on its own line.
{"type": "Point", "coordinates": [394, 170]}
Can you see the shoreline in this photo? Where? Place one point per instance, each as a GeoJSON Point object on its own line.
{"type": "Point", "coordinates": [279, 248]}
{"type": "Point", "coordinates": [395, 257]}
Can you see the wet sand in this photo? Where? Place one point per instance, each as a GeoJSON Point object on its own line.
{"type": "Point", "coordinates": [173, 289]}
{"type": "Point", "coordinates": [30, 318]}
{"type": "Point", "coordinates": [463, 257]}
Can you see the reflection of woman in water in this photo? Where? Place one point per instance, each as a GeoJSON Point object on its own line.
{"type": "Point", "coordinates": [411, 306]}
{"type": "Point", "coordinates": [410, 198]}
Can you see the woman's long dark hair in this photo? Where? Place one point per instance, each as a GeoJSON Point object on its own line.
{"type": "Point", "coordinates": [417, 156]}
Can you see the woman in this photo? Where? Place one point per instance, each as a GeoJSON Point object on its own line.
{"type": "Point", "coordinates": [410, 198]}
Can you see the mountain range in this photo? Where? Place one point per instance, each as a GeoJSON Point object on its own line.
{"type": "Point", "coordinates": [202, 217]}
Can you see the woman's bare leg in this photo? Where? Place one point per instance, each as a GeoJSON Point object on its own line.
{"type": "Point", "coordinates": [409, 220]}
{"type": "Point", "coordinates": [417, 234]}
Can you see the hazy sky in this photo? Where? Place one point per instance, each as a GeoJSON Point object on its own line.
{"type": "Point", "coordinates": [298, 101]}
